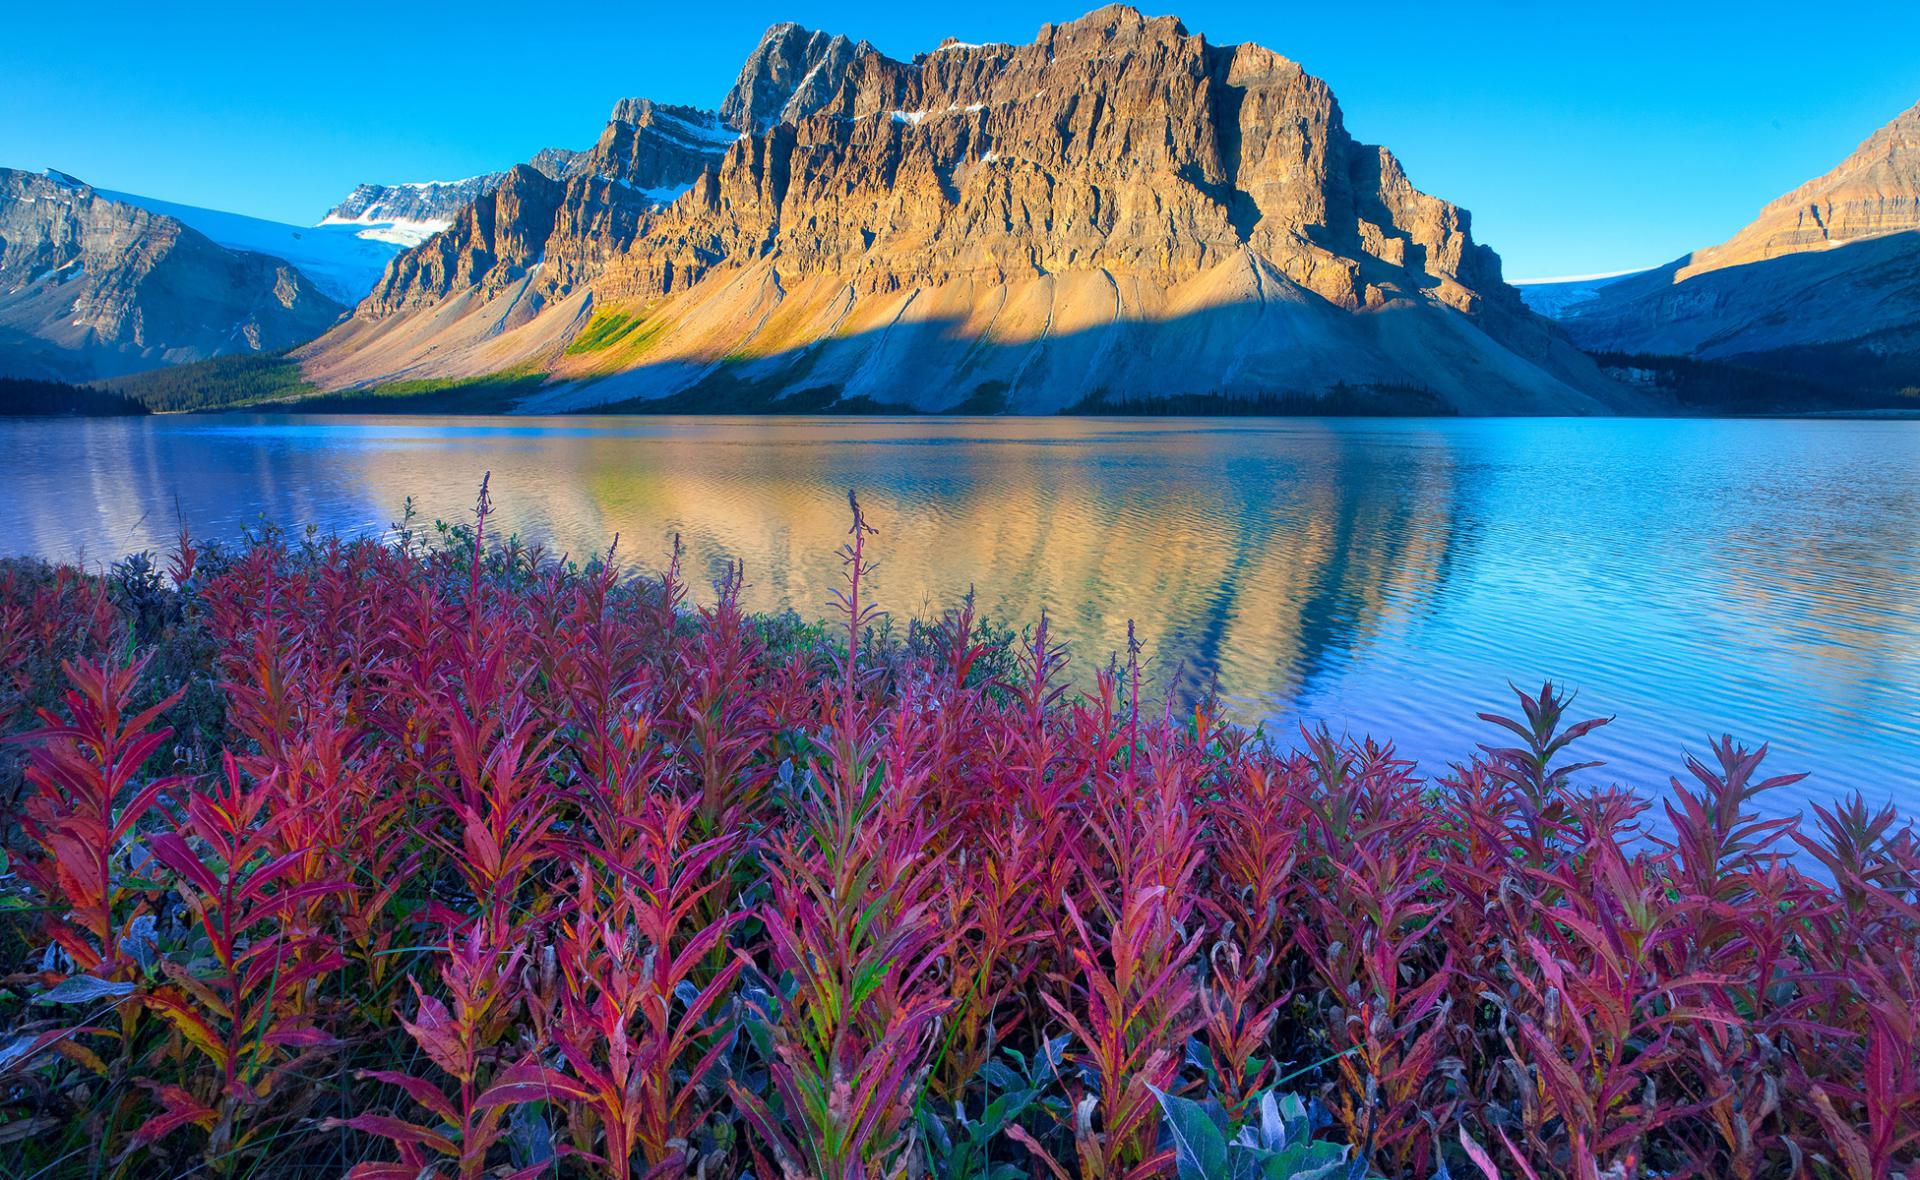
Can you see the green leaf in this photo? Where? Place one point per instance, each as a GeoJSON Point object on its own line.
{"type": "Point", "coordinates": [1293, 1112]}
{"type": "Point", "coordinates": [1199, 1133]}
{"type": "Point", "coordinates": [1305, 1161]}
{"type": "Point", "coordinates": [1003, 1110]}
{"type": "Point", "coordinates": [935, 1130]}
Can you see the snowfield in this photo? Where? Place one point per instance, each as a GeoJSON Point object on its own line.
{"type": "Point", "coordinates": [1554, 297]}
{"type": "Point", "coordinates": [403, 232]}
{"type": "Point", "coordinates": [344, 260]}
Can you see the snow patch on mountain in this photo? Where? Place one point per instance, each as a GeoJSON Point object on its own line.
{"type": "Point", "coordinates": [402, 232]}
{"type": "Point", "coordinates": [710, 132]}
{"type": "Point", "coordinates": [340, 261]}
{"type": "Point", "coordinates": [408, 213]}
{"type": "Point", "coordinates": [659, 196]}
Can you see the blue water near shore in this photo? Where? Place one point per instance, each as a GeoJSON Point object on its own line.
{"type": "Point", "coordinates": [1384, 576]}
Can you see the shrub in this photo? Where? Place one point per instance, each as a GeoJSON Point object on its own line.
{"type": "Point", "coordinates": [462, 858]}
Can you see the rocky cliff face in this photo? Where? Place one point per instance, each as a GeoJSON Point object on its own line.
{"type": "Point", "coordinates": [92, 287]}
{"type": "Point", "coordinates": [488, 246]}
{"type": "Point", "coordinates": [657, 150]}
{"type": "Point", "coordinates": [559, 163]}
{"type": "Point", "coordinates": [536, 232]}
{"type": "Point", "coordinates": [1117, 210]}
{"type": "Point", "coordinates": [412, 212]}
{"type": "Point", "coordinates": [792, 73]}
{"type": "Point", "coordinates": [1826, 280]}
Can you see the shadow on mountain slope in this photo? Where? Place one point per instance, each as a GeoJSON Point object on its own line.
{"type": "Point", "coordinates": [1076, 342]}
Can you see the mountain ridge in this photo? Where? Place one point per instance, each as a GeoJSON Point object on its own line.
{"type": "Point", "coordinates": [343, 263]}
{"type": "Point", "coordinates": [866, 225]}
{"type": "Point", "coordinates": [1823, 283]}
{"type": "Point", "coordinates": [409, 212]}
{"type": "Point", "coordinates": [94, 287]}
{"type": "Point", "coordinates": [1873, 192]}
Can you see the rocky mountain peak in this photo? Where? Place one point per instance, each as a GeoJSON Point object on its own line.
{"type": "Point", "coordinates": [1115, 28]}
{"type": "Point", "coordinates": [409, 213]}
{"type": "Point", "coordinates": [490, 245]}
{"type": "Point", "coordinates": [793, 72]}
{"type": "Point", "coordinates": [556, 162]}
{"type": "Point", "coordinates": [690, 125]}
{"type": "Point", "coordinates": [643, 112]}
{"type": "Point", "coordinates": [1114, 210]}
{"type": "Point", "coordinates": [655, 149]}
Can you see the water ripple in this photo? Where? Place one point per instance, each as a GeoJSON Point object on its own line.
{"type": "Point", "coordinates": [1390, 577]}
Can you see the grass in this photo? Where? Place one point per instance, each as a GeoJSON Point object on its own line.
{"type": "Point", "coordinates": [617, 338]}
{"type": "Point", "coordinates": [603, 331]}
{"type": "Point", "coordinates": [439, 856]}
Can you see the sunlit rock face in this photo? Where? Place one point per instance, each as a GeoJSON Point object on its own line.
{"type": "Point", "coordinates": [1826, 280]}
{"type": "Point", "coordinates": [1874, 192]}
{"type": "Point", "coordinates": [1118, 210]}
{"type": "Point", "coordinates": [792, 73]}
{"type": "Point", "coordinates": [95, 287]}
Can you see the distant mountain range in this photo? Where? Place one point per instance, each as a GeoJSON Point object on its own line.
{"type": "Point", "coordinates": [408, 214]}
{"type": "Point", "coordinates": [1117, 216]}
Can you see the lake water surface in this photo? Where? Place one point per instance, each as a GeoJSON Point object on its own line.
{"type": "Point", "coordinates": [1387, 577]}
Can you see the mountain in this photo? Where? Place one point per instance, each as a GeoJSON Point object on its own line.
{"type": "Point", "coordinates": [95, 287]}
{"type": "Point", "coordinates": [1115, 214]}
{"type": "Point", "coordinates": [408, 214]}
{"type": "Point", "coordinates": [340, 260]}
{"type": "Point", "coordinates": [530, 231]}
{"type": "Point", "coordinates": [792, 73]}
{"type": "Point", "coordinates": [1825, 282]}
{"type": "Point", "coordinates": [1874, 192]}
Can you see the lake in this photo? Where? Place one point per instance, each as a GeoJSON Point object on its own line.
{"type": "Point", "coordinates": [1385, 576]}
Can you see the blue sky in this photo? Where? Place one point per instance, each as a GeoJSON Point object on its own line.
{"type": "Point", "coordinates": [1583, 137]}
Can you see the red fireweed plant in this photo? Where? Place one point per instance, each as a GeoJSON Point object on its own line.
{"type": "Point", "coordinates": [1370, 940]}
{"type": "Point", "coordinates": [641, 1033]}
{"type": "Point", "coordinates": [1129, 997]}
{"type": "Point", "coordinates": [853, 939]}
{"type": "Point", "coordinates": [466, 1042]}
{"type": "Point", "coordinates": [83, 815]}
{"type": "Point", "coordinates": [445, 856]}
{"type": "Point", "coordinates": [247, 1009]}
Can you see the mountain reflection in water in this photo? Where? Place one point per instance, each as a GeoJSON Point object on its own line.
{"type": "Point", "coordinates": [1383, 576]}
